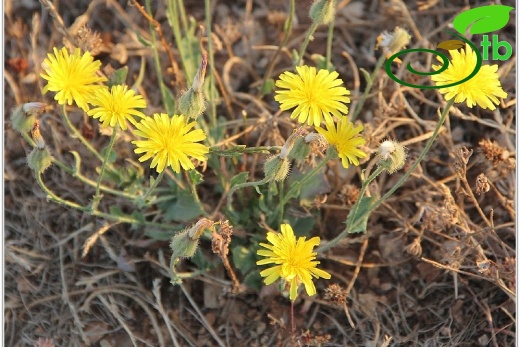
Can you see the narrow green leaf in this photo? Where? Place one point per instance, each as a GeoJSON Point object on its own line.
{"type": "Point", "coordinates": [196, 177]}
{"type": "Point", "coordinates": [239, 179]}
{"type": "Point", "coordinates": [360, 225]}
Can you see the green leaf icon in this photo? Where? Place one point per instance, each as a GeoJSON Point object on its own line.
{"type": "Point", "coordinates": [451, 45]}
{"type": "Point", "coordinates": [482, 20]}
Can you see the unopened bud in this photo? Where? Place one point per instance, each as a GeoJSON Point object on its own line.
{"type": "Point", "coordinates": [300, 150]}
{"type": "Point", "coordinates": [289, 143]}
{"type": "Point", "coordinates": [24, 116]}
{"type": "Point", "coordinates": [39, 159]}
{"type": "Point", "coordinates": [276, 169]}
{"type": "Point", "coordinates": [394, 42]}
{"type": "Point", "coordinates": [185, 243]}
{"type": "Point", "coordinates": [323, 11]}
{"type": "Point", "coordinates": [192, 103]}
{"type": "Point", "coordinates": [392, 156]}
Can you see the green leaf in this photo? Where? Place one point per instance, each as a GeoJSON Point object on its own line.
{"type": "Point", "coordinates": [268, 86]}
{"type": "Point", "coordinates": [301, 226]}
{"type": "Point", "coordinates": [196, 177]}
{"type": "Point", "coordinates": [162, 235]}
{"type": "Point", "coordinates": [483, 19]}
{"type": "Point", "coordinates": [169, 102]}
{"type": "Point", "coordinates": [239, 179]}
{"type": "Point", "coordinates": [184, 209]}
{"type": "Point", "coordinates": [118, 77]}
{"type": "Point", "coordinates": [253, 280]}
{"type": "Point", "coordinates": [243, 258]}
{"type": "Point", "coordinates": [360, 225]}
{"type": "Point", "coordinates": [112, 157]}
{"type": "Point", "coordinates": [144, 41]}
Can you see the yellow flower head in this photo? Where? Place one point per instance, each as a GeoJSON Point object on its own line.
{"type": "Point", "coordinates": [169, 141]}
{"type": "Point", "coordinates": [315, 96]}
{"type": "Point", "coordinates": [345, 139]}
{"type": "Point", "coordinates": [116, 106]}
{"type": "Point", "coordinates": [483, 89]}
{"type": "Point", "coordinates": [293, 259]}
{"type": "Point", "coordinates": [72, 77]}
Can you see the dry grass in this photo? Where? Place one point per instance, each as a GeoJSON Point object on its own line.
{"type": "Point", "coordinates": [436, 268]}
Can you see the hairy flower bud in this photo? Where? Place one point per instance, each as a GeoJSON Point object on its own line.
{"type": "Point", "coordinates": [39, 159]}
{"type": "Point", "coordinates": [323, 11]}
{"type": "Point", "coordinates": [185, 243]}
{"type": "Point", "coordinates": [192, 103]}
{"type": "Point", "coordinates": [392, 155]}
{"type": "Point", "coordinates": [24, 116]}
{"type": "Point", "coordinates": [301, 149]}
{"type": "Point", "coordinates": [394, 42]}
{"type": "Point", "coordinates": [276, 169]}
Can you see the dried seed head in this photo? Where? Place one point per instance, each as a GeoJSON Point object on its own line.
{"type": "Point", "coordinates": [415, 247]}
{"type": "Point", "coordinates": [493, 151]}
{"type": "Point", "coordinates": [482, 184]}
{"type": "Point", "coordinates": [392, 155]}
{"type": "Point", "coordinates": [336, 295]}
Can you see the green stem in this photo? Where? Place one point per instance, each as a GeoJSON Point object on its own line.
{"type": "Point", "coordinates": [241, 149]}
{"type": "Point", "coordinates": [157, 62]}
{"type": "Point", "coordinates": [244, 185]}
{"type": "Point", "coordinates": [121, 218]}
{"type": "Point", "coordinates": [287, 32]}
{"type": "Point", "coordinates": [364, 187]}
{"type": "Point", "coordinates": [330, 36]}
{"type": "Point", "coordinates": [311, 31]}
{"type": "Point", "coordinates": [28, 139]}
{"type": "Point", "coordinates": [154, 185]}
{"type": "Point", "coordinates": [296, 187]}
{"type": "Point", "coordinates": [211, 62]}
{"type": "Point", "coordinates": [378, 203]}
{"type": "Point", "coordinates": [173, 18]}
{"type": "Point", "coordinates": [105, 161]}
{"type": "Point", "coordinates": [193, 188]}
{"type": "Point", "coordinates": [76, 174]}
{"type": "Point", "coordinates": [78, 135]}
{"type": "Point", "coordinates": [370, 83]}
{"type": "Point", "coordinates": [281, 198]}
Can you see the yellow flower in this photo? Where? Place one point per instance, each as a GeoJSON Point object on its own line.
{"type": "Point", "coordinates": [169, 141]}
{"type": "Point", "coordinates": [72, 77]}
{"type": "Point", "coordinates": [483, 89]}
{"type": "Point", "coordinates": [293, 259]}
{"type": "Point", "coordinates": [345, 139]}
{"type": "Point", "coordinates": [116, 106]}
{"type": "Point", "coordinates": [315, 96]}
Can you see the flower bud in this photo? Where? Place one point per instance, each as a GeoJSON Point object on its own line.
{"type": "Point", "coordinates": [276, 169]}
{"type": "Point", "coordinates": [301, 149]}
{"type": "Point", "coordinates": [39, 159]}
{"type": "Point", "coordinates": [192, 102]}
{"type": "Point", "coordinates": [185, 243]}
{"type": "Point", "coordinates": [322, 11]}
{"type": "Point", "coordinates": [394, 42]}
{"type": "Point", "coordinates": [24, 116]}
{"type": "Point", "coordinates": [392, 155]}
{"type": "Point", "coordinates": [289, 143]}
